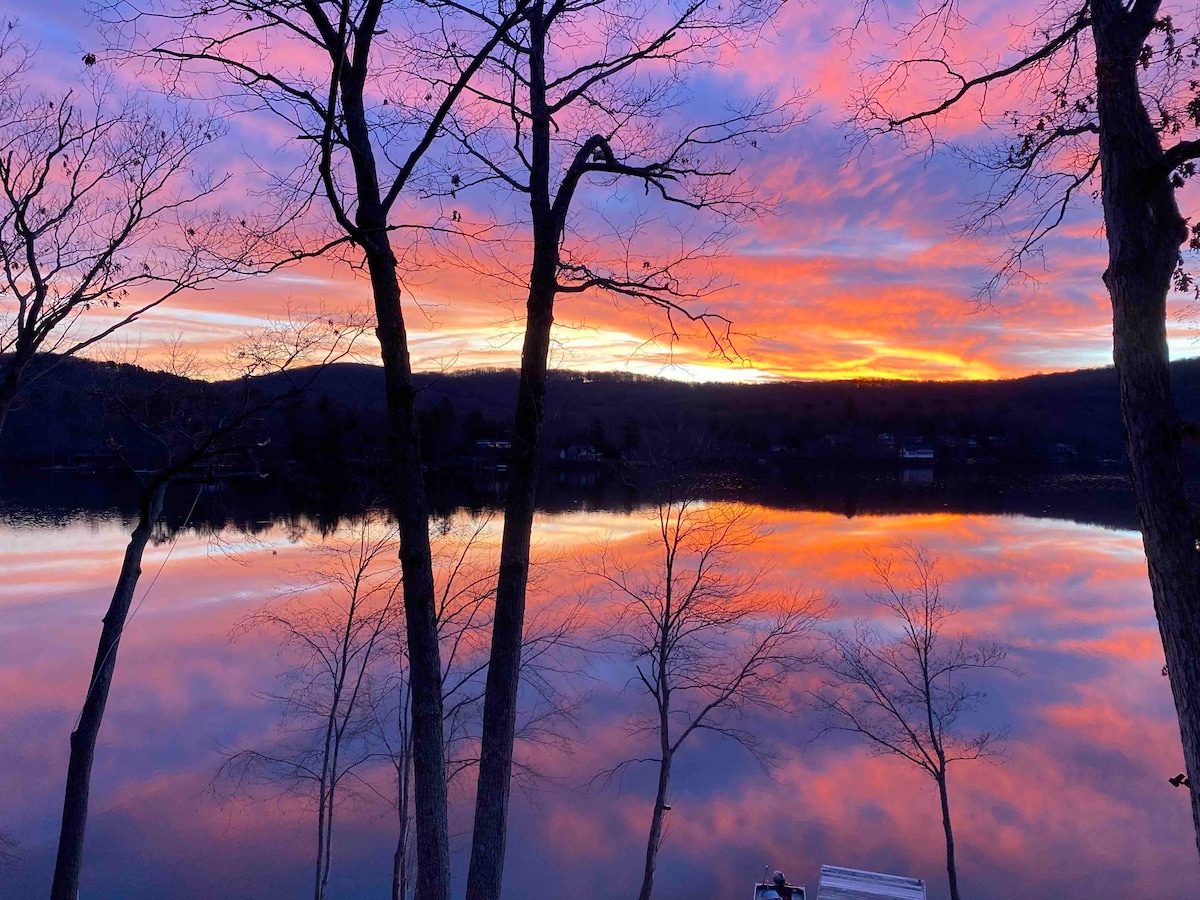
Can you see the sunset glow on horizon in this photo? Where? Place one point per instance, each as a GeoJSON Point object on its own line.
{"type": "Point", "coordinates": [575, 444]}
{"type": "Point", "coordinates": [858, 273]}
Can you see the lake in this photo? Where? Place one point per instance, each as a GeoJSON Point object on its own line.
{"type": "Point", "coordinates": [1051, 565]}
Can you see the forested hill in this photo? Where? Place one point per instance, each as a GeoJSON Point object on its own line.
{"type": "Point", "coordinates": [1071, 417]}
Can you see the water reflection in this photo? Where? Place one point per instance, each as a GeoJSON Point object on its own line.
{"type": "Point", "coordinates": [1080, 808]}
{"type": "Point", "coordinates": [1100, 497]}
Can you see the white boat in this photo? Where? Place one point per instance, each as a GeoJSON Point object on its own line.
{"type": "Point", "coordinates": [841, 883]}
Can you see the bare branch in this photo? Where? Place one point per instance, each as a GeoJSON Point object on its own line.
{"type": "Point", "coordinates": [709, 642]}
{"type": "Point", "coordinates": [902, 690]}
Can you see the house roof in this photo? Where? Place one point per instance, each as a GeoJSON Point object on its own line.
{"type": "Point", "coordinates": [838, 883]}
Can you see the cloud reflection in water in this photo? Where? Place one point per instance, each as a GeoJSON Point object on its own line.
{"type": "Point", "coordinates": [1080, 807]}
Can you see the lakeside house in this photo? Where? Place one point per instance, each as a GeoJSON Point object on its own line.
{"type": "Point", "coordinates": [917, 450]}
{"type": "Point", "coordinates": [581, 453]}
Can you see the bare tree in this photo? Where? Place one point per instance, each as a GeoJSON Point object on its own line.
{"type": "Point", "coordinates": [464, 579]}
{"type": "Point", "coordinates": [396, 738]}
{"type": "Point", "coordinates": [903, 689]}
{"type": "Point", "coordinates": [1105, 91]}
{"type": "Point", "coordinates": [334, 73]}
{"type": "Point", "coordinates": [587, 97]}
{"type": "Point", "coordinates": [179, 427]}
{"type": "Point", "coordinates": [348, 90]}
{"type": "Point", "coordinates": [465, 571]}
{"type": "Point", "coordinates": [465, 568]}
{"type": "Point", "coordinates": [100, 213]}
{"type": "Point", "coordinates": [709, 643]}
{"type": "Point", "coordinates": [334, 628]}
{"type": "Point", "coordinates": [347, 703]}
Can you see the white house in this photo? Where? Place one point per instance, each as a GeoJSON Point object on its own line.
{"type": "Point", "coordinates": [916, 451]}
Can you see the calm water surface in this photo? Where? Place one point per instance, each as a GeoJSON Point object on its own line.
{"type": "Point", "coordinates": [1079, 808]}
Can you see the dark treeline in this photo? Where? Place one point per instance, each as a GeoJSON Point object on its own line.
{"type": "Point", "coordinates": [253, 505]}
{"type": "Point", "coordinates": [339, 425]}
{"type": "Point", "coordinates": [318, 459]}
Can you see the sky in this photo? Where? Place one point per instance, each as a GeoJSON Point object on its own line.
{"type": "Point", "coordinates": [859, 272]}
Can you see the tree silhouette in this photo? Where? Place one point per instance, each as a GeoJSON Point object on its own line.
{"type": "Point", "coordinates": [345, 694]}
{"type": "Point", "coordinates": [580, 102]}
{"type": "Point", "coordinates": [903, 688]}
{"type": "Point", "coordinates": [180, 426]}
{"type": "Point", "coordinates": [338, 75]}
{"type": "Point", "coordinates": [101, 218]}
{"type": "Point", "coordinates": [708, 641]}
{"type": "Point", "coordinates": [1101, 101]}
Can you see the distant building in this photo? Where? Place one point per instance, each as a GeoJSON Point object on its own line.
{"type": "Point", "coordinates": [916, 450]}
{"type": "Point", "coordinates": [583, 453]}
{"type": "Point", "coordinates": [838, 883]}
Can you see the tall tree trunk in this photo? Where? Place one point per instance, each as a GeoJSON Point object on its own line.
{"type": "Point", "coordinates": [656, 827]}
{"type": "Point", "coordinates": [399, 887]}
{"type": "Point", "coordinates": [69, 863]}
{"type": "Point", "coordinates": [1145, 230]}
{"type": "Point", "coordinates": [321, 805]}
{"type": "Point", "coordinates": [951, 867]}
{"type": "Point", "coordinates": [400, 858]}
{"type": "Point", "coordinates": [328, 840]}
{"type": "Point", "coordinates": [8, 394]}
{"type": "Point", "coordinates": [410, 506]}
{"type": "Point", "coordinates": [411, 510]}
{"type": "Point", "coordinates": [11, 375]}
{"type": "Point", "coordinates": [324, 792]}
{"type": "Point", "coordinates": [504, 667]}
